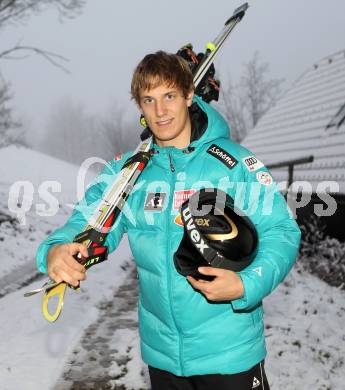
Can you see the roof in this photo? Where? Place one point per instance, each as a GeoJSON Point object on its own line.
{"type": "Point", "coordinates": [296, 126]}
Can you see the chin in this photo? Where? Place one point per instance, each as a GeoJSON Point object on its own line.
{"type": "Point", "coordinates": [165, 137]}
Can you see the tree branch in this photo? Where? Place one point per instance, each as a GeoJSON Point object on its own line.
{"type": "Point", "coordinates": [53, 58]}
{"type": "Point", "coordinates": [18, 10]}
{"type": "Point", "coordinates": [7, 5]}
{"type": "Point", "coordinates": [13, 12]}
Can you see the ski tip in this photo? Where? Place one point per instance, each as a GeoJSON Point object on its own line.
{"type": "Point", "coordinates": [238, 13]}
{"type": "Point", "coordinates": [241, 8]}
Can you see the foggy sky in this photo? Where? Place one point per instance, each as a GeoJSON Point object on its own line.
{"type": "Point", "coordinates": [106, 42]}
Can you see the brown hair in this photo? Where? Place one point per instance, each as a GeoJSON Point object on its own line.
{"type": "Point", "coordinates": [159, 68]}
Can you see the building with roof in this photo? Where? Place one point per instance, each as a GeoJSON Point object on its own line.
{"type": "Point", "coordinates": [309, 122]}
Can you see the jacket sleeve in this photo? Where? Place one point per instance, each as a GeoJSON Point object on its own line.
{"type": "Point", "coordinates": [83, 210]}
{"type": "Point", "coordinates": [279, 238]}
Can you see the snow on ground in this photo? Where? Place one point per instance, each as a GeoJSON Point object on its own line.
{"type": "Point", "coordinates": [24, 176]}
{"type": "Point", "coordinates": [33, 351]}
{"type": "Point", "coordinates": [107, 356]}
{"type": "Point", "coordinates": [304, 316]}
{"type": "Point", "coordinates": [305, 334]}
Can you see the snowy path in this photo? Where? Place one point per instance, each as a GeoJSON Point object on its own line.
{"type": "Point", "coordinates": [107, 353]}
{"type": "Point", "coordinates": [20, 277]}
{"type": "Point", "coordinates": [33, 352]}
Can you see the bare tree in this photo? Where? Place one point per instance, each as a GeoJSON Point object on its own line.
{"type": "Point", "coordinates": [112, 131]}
{"type": "Point", "coordinates": [119, 135]}
{"type": "Point", "coordinates": [233, 111]}
{"type": "Point", "coordinates": [259, 93]}
{"type": "Point", "coordinates": [65, 131]}
{"type": "Point", "coordinates": [18, 11]}
{"type": "Point", "coordinates": [73, 134]}
{"type": "Point", "coordinates": [246, 102]}
{"type": "Point", "coordinates": [10, 130]}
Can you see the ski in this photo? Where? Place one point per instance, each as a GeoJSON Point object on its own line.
{"type": "Point", "coordinates": [110, 206]}
{"type": "Point", "coordinates": [212, 48]}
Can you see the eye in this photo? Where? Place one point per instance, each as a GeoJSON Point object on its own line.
{"type": "Point", "coordinates": [147, 100]}
{"type": "Point", "coordinates": [170, 96]}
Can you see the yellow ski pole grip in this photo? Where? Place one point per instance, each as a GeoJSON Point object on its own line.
{"type": "Point", "coordinates": [59, 290]}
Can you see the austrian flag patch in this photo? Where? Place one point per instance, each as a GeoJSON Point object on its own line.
{"type": "Point", "coordinates": [264, 178]}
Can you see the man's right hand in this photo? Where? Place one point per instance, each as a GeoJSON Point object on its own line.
{"type": "Point", "coordinates": [63, 267]}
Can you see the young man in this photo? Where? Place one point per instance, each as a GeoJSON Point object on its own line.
{"type": "Point", "coordinates": [195, 334]}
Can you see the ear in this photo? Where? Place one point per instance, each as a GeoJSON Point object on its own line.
{"type": "Point", "coordinates": [189, 98]}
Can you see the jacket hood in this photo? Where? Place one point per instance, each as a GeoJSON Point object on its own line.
{"type": "Point", "coordinates": [216, 125]}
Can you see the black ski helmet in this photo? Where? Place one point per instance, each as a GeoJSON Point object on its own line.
{"type": "Point", "coordinates": [215, 234]}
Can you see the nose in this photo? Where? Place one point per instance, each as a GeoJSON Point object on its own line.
{"type": "Point", "coordinates": [161, 109]}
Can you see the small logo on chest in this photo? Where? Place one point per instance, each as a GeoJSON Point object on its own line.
{"type": "Point", "coordinates": [155, 201]}
{"type": "Point", "coordinates": [181, 196]}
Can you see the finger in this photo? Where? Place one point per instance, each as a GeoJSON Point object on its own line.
{"type": "Point", "coordinates": [196, 284]}
{"type": "Point", "coordinates": [211, 271]}
{"type": "Point", "coordinates": [55, 277]}
{"type": "Point", "coordinates": [75, 248]}
{"type": "Point", "coordinates": [73, 264]}
{"type": "Point", "coordinates": [78, 275]}
{"type": "Point", "coordinates": [68, 278]}
{"type": "Point", "coordinates": [64, 268]}
{"type": "Point", "coordinates": [75, 273]}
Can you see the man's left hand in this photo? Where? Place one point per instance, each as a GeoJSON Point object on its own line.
{"type": "Point", "coordinates": [226, 285]}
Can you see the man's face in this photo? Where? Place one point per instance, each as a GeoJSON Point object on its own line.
{"type": "Point", "coordinates": [166, 112]}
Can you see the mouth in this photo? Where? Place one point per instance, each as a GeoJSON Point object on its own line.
{"type": "Point", "coordinates": [165, 122]}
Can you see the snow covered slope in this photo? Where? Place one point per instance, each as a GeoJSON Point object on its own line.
{"type": "Point", "coordinates": [36, 194]}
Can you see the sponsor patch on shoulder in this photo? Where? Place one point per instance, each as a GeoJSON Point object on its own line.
{"type": "Point", "coordinates": [264, 178]}
{"type": "Point", "coordinates": [252, 163]}
{"type": "Point", "coordinates": [223, 156]}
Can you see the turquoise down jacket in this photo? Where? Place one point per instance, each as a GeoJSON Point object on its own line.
{"type": "Point", "coordinates": [180, 330]}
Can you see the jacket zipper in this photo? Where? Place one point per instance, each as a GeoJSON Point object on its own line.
{"type": "Point", "coordinates": [172, 168]}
